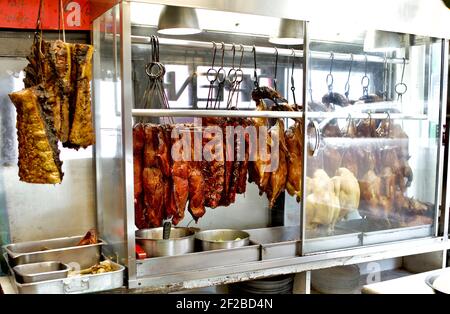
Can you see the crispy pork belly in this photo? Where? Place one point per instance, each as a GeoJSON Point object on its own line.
{"type": "Point", "coordinates": [80, 111]}
{"type": "Point", "coordinates": [38, 148]}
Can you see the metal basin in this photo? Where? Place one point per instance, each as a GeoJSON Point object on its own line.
{"type": "Point", "coordinates": [35, 272]}
{"type": "Point", "coordinates": [221, 239]}
{"type": "Point", "coordinates": [181, 241]}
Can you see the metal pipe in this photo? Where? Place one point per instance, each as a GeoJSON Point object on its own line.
{"type": "Point", "coordinates": [264, 50]}
{"type": "Point", "coordinates": [268, 114]}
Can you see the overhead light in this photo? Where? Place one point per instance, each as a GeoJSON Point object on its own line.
{"type": "Point", "coordinates": [290, 32]}
{"type": "Point", "coordinates": [381, 41]}
{"type": "Point", "coordinates": [178, 21]}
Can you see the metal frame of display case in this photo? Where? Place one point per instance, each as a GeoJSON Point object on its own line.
{"type": "Point", "coordinates": [240, 269]}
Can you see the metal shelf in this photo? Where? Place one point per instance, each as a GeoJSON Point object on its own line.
{"type": "Point", "coordinates": [268, 114]}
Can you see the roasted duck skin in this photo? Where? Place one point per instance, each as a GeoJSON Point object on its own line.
{"type": "Point", "coordinates": [265, 92]}
{"type": "Point", "coordinates": [38, 149]}
{"type": "Point", "coordinates": [295, 161]}
{"type": "Point", "coordinates": [90, 237]}
{"type": "Point", "coordinates": [331, 160]}
{"type": "Point", "coordinates": [278, 176]}
{"type": "Point", "coordinates": [370, 187]}
{"type": "Point", "coordinates": [80, 111]}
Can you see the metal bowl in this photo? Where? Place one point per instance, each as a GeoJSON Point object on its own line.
{"type": "Point", "coordinates": [430, 280]}
{"type": "Point", "coordinates": [28, 273]}
{"type": "Point", "coordinates": [221, 239]}
{"type": "Point", "coordinates": [181, 241]}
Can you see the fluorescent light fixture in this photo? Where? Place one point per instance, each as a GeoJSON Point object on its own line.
{"type": "Point", "coordinates": [381, 41]}
{"type": "Point", "coordinates": [290, 32]}
{"type": "Point", "coordinates": [178, 21]}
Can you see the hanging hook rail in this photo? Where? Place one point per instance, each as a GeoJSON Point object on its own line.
{"type": "Point", "coordinates": [292, 80]}
{"type": "Point", "coordinates": [276, 69]}
{"type": "Point", "coordinates": [211, 76]}
{"type": "Point", "coordinates": [365, 81]}
{"type": "Point", "coordinates": [347, 84]}
{"type": "Point", "coordinates": [285, 52]}
{"type": "Point", "coordinates": [329, 78]}
{"type": "Point", "coordinates": [221, 77]}
{"type": "Point", "coordinates": [255, 75]}
{"type": "Point", "coordinates": [401, 88]}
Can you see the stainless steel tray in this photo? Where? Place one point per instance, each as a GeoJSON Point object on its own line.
{"type": "Point", "coordinates": [74, 285]}
{"type": "Point", "coordinates": [42, 271]}
{"type": "Point", "coordinates": [198, 260]}
{"type": "Point", "coordinates": [277, 242]}
{"type": "Point", "coordinates": [283, 242]}
{"type": "Point", "coordinates": [63, 250]}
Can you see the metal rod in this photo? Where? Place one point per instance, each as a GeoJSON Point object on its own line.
{"type": "Point", "coordinates": [264, 50]}
{"type": "Point", "coordinates": [214, 113]}
{"type": "Point", "coordinates": [268, 114]}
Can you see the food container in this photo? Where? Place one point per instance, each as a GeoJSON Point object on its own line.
{"type": "Point", "coordinates": [64, 250]}
{"type": "Point", "coordinates": [74, 284]}
{"type": "Point", "coordinates": [35, 272]}
{"type": "Point", "coordinates": [221, 239]}
{"type": "Point", "coordinates": [181, 241]}
{"type": "Point", "coordinates": [439, 281]}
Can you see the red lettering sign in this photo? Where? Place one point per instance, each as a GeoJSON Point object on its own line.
{"type": "Point", "coordinates": [23, 14]}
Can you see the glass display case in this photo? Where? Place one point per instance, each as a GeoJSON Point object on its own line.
{"type": "Point", "coordinates": [374, 100]}
{"type": "Point", "coordinates": [353, 119]}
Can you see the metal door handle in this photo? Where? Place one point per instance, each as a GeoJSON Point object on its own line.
{"type": "Point", "coordinates": [313, 151]}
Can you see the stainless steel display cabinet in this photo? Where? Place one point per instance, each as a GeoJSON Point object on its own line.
{"type": "Point", "coordinates": [372, 103]}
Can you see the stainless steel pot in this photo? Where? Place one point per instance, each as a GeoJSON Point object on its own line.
{"type": "Point", "coordinates": [221, 239]}
{"type": "Point", "coordinates": [181, 241]}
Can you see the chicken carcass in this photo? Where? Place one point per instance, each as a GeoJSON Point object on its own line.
{"type": "Point", "coordinates": [346, 186]}
{"type": "Point", "coordinates": [322, 205]}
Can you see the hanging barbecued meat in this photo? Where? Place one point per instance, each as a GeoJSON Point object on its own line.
{"type": "Point", "coordinates": [213, 168]}
{"type": "Point", "coordinates": [265, 92]}
{"type": "Point", "coordinates": [294, 140]}
{"type": "Point", "coordinates": [387, 197]}
{"type": "Point", "coordinates": [80, 111]}
{"type": "Point", "coordinates": [278, 174]}
{"type": "Point", "coordinates": [243, 164]}
{"type": "Point", "coordinates": [138, 150]}
{"type": "Point", "coordinates": [38, 145]}
{"type": "Point", "coordinates": [196, 191]}
{"type": "Point", "coordinates": [257, 173]}
{"type": "Point", "coordinates": [57, 82]}
{"type": "Point", "coordinates": [180, 176]}
{"type": "Point", "coordinates": [331, 130]}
